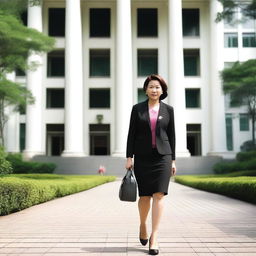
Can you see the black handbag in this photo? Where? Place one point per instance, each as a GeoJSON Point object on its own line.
{"type": "Point", "coordinates": [128, 188]}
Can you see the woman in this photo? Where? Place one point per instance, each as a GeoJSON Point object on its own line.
{"type": "Point", "coordinates": [151, 141]}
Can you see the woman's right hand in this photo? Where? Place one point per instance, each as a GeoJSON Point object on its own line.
{"type": "Point", "coordinates": [129, 165]}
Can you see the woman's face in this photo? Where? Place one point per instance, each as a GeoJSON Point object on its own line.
{"type": "Point", "coordinates": [154, 90]}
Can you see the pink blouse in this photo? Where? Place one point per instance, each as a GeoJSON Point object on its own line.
{"type": "Point", "coordinates": [153, 114]}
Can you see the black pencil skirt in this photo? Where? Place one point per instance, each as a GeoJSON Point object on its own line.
{"type": "Point", "coordinates": [152, 173]}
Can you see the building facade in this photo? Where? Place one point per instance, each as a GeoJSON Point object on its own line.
{"type": "Point", "coordinates": [85, 88]}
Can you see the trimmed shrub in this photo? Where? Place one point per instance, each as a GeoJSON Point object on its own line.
{"type": "Point", "coordinates": [241, 173]}
{"type": "Point", "coordinates": [245, 161]}
{"type": "Point", "coordinates": [20, 166]}
{"type": "Point", "coordinates": [5, 165]}
{"type": "Point", "coordinates": [248, 146]}
{"type": "Point", "coordinates": [20, 191]}
{"type": "Point", "coordinates": [245, 156]}
{"type": "Point", "coordinates": [243, 188]}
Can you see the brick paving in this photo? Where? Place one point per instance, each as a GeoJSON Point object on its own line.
{"type": "Point", "coordinates": [95, 222]}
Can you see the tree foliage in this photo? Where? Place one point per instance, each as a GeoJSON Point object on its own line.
{"type": "Point", "coordinates": [17, 42]}
{"type": "Point", "coordinates": [230, 8]}
{"type": "Point", "coordinates": [240, 82]}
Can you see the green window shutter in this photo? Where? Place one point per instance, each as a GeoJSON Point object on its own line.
{"type": "Point", "coordinates": [229, 132]}
{"type": "Point", "coordinates": [244, 122]}
{"type": "Point", "coordinates": [22, 136]}
{"type": "Point", "coordinates": [249, 40]}
{"type": "Point", "coordinates": [230, 40]}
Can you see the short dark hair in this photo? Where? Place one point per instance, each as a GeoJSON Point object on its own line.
{"type": "Point", "coordinates": [161, 81]}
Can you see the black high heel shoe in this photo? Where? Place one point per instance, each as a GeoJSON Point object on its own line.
{"type": "Point", "coordinates": [152, 251]}
{"type": "Point", "coordinates": [143, 241]}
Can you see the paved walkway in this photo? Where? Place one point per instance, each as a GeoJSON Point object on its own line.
{"type": "Point", "coordinates": [95, 222]}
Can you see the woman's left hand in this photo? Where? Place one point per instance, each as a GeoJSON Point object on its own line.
{"type": "Point", "coordinates": [174, 169]}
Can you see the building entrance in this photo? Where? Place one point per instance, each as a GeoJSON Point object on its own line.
{"type": "Point", "coordinates": [99, 139]}
{"type": "Point", "coordinates": [54, 139]}
{"type": "Point", "coordinates": [194, 139]}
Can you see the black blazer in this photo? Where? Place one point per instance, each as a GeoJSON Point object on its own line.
{"type": "Point", "coordinates": [139, 141]}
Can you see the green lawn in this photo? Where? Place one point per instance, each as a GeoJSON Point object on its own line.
{"type": "Point", "coordinates": [20, 191]}
{"type": "Point", "coordinates": [237, 185]}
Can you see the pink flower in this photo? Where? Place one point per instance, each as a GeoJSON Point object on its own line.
{"type": "Point", "coordinates": [102, 170]}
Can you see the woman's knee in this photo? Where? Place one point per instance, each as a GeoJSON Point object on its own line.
{"type": "Point", "coordinates": [145, 198]}
{"type": "Point", "coordinates": [158, 196]}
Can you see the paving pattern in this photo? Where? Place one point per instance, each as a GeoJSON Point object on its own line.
{"type": "Point", "coordinates": [95, 222]}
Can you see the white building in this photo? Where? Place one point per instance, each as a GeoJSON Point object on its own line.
{"type": "Point", "coordinates": [104, 50]}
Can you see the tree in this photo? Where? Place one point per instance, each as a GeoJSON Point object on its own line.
{"type": "Point", "coordinates": [240, 82]}
{"type": "Point", "coordinates": [230, 8]}
{"type": "Point", "coordinates": [16, 43]}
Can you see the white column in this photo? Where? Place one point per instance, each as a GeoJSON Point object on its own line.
{"type": "Point", "coordinates": [218, 128]}
{"type": "Point", "coordinates": [73, 81]}
{"type": "Point", "coordinates": [176, 75]}
{"type": "Point", "coordinates": [12, 126]}
{"type": "Point", "coordinates": [34, 120]}
{"type": "Point", "coordinates": [124, 86]}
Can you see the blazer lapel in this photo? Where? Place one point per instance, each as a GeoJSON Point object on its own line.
{"type": "Point", "coordinates": [146, 113]}
{"type": "Point", "coordinates": [159, 117]}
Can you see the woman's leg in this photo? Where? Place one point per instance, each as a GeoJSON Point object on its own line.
{"type": "Point", "coordinates": [144, 206]}
{"type": "Point", "coordinates": [157, 211]}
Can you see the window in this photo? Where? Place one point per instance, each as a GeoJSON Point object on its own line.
{"type": "Point", "coordinates": [20, 72]}
{"type": "Point", "coordinates": [24, 18]}
{"type": "Point", "coordinates": [56, 64]}
{"type": "Point", "coordinates": [249, 40]}
{"type": "Point", "coordinates": [100, 63]}
{"type": "Point", "coordinates": [99, 22]}
{"type": "Point", "coordinates": [229, 132]}
{"type": "Point", "coordinates": [99, 139]}
{"type": "Point", "coordinates": [99, 98]}
{"type": "Point", "coordinates": [190, 22]}
{"type": "Point", "coordinates": [55, 98]}
{"type": "Point", "coordinates": [244, 122]}
{"type": "Point", "coordinates": [194, 143]}
{"type": "Point", "coordinates": [141, 95]}
{"type": "Point", "coordinates": [192, 98]}
{"type": "Point", "coordinates": [230, 40]}
{"type": "Point", "coordinates": [56, 25]}
{"type": "Point", "coordinates": [22, 137]}
{"type": "Point", "coordinates": [147, 22]}
{"type": "Point", "coordinates": [54, 139]}
{"type": "Point", "coordinates": [147, 62]}
{"type": "Point", "coordinates": [192, 62]}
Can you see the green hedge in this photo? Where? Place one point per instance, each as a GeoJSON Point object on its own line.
{"type": "Point", "coordinates": [5, 165]}
{"type": "Point", "coordinates": [227, 167]}
{"type": "Point", "coordinates": [245, 161]}
{"type": "Point", "coordinates": [245, 156]}
{"type": "Point", "coordinates": [20, 166]}
{"type": "Point", "coordinates": [241, 187]}
{"type": "Point", "coordinates": [21, 191]}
